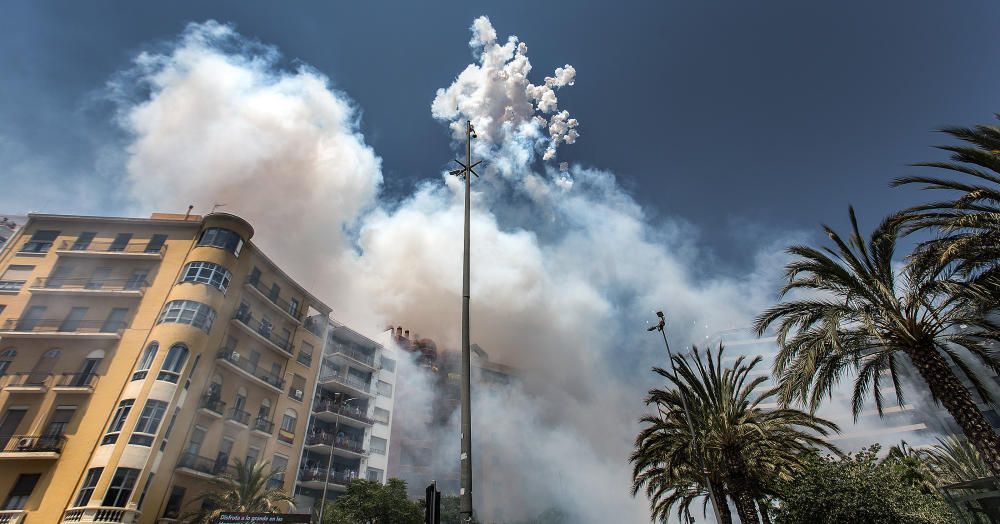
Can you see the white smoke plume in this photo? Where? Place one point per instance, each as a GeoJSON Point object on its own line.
{"type": "Point", "coordinates": [566, 265]}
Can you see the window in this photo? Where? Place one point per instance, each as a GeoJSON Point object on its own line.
{"type": "Point", "coordinates": [377, 446]}
{"type": "Point", "coordinates": [22, 489]}
{"type": "Point", "coordinates": [30, 319]}
{"type": "Point", "coordinates": [40, 242]}
{"type": "Point", "coordinates": [274, 293]}
{"type": "Point", "coordinates": [118, 421]}
{"type": "Point", "coordinates": [145, 489]}
{"type": "Point", "coordinates": [254, 276]}
{"type": "Point", "coordinates": [222, 238]}
{"type": "Point", "coordinates": [155, 243]}
{"type": "Point", "coordinates": [89, 483]}
{"type": "Point", "coordinates": [137, 280]}
{"type": "Point", "coordinates": [115, 321]}
{"type": "Point", "coordinates": [293, 308]}
{"type": "Point", "coordinates": [14, 277]}
{"type": "Point", "coordinates": [173, 509]}
{"type": "Point", "coordinates": [83, 241]}
{"type": "Point", "coordinates": [188, 312]}
{"type": "Point", "coordinates": [305, 353]}
{"type": "Point", "coordinates": [72, 321]}
{"type": "Point", "coordinates": [207, 273]}
{"type": "Point", "coordinates": [252, 455]}
{"type": "Point", "coordinates": [173, 364]}
{"type": "Point", "coordinates": [60, 419]}
{"type": "Point", "coordinates": [120, 242]}
{"type": "Point", "coordinates": [374, 474]}
{"type": "Point", "coordinates": [170, 429]}
{"type": "Point", "coordinates": [279, 463]}
{"type": "Point", "coordinates": [381, 415]}
{"type": "Point", "coordinates": [297, 389]}
{"type": "Point", "coordinates": [148, 423]}
{"type": "Point", "coordinates": [121, 487]}
{"type": "Point", "coordinates": [384, 388]}
{"type": "Point", "coordinates": [197, 437]}
{"type": "Point", "coordinates": [389, 365]}
{"type": "Point", "coordinates": [146, 361]}
{"type": "Point", "coordinates": [98, 278]}
{"type": "Point", "coordinates": [288, 421]}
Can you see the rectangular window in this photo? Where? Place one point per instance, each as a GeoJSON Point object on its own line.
{"type": "Point", "coordinates": [374, 474]}
{"type": "Point", "coordinates": [30, 319]}
{"type": "Point", "coordinates": [72, 321]}
{"type": "Point", "coordinates": [22, 489]}
{"type": "Point", "coordinates": [377, 446]}
{"type": "Point", "coordinates": [40, 242]}
{"type": "Point", "coordinates": [252, 455]}
{"type": "Point", "coordinates": [148, 423]}
{"type": "Point", "coordinates": [118, 421]}
{"type": "Point", "coordinates": [293, 308]}
{"type": "Point", "coordinates": [389, 365]}
{"type": "Point", "coordinates": [115, 321]}
{"type": "Point", "coordinates": [89, 483]}
{"type": "Point", "coordinates": [137, 280]}
{"type": "Point", "coordinates": [60, 419]}
{"type": "Point", "coordinates": [197, 437]}
{"type": "Point", "coordinates": [381, 415]}
{"type": "Point", "coordinates": [14, 277]}
{"type": "Point", "coordinates": [297, 389]}
{"type": "Point", "coordinates": [83, 241]}
{"type": "Point", "coordinates": [274, 293]}
{"type": "Point", "coordinates": [121, 487]}
{"type": "Point", "coordinates": [288, 423]}
{"type": "Point", "coordinates": [173, 509]}
{"type": "Point", "coordinates": [155, 243]}
{"type": "Point", "coordinates": [279, 463]}
{"type": "Point", "coordinates": [120, 242]}
{"type": "Point", "coordinates": [98, 278]}
{"type": "Point", "coordinates": [254, 276]}
{"type": "Point", "coordinates": [384, 388]}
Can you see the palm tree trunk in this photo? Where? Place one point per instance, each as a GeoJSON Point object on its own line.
{"type": "Point", "coordinates": [721, 506]}
{"type": "Point", "coordinates": [746, 506]}
{"type": "Point", "coordinates": [949, 390]}
{"type": "Point", "coordinates": [764, 517]}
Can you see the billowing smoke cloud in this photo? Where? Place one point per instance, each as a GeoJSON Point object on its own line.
{"type": "Point", "coordinates": [566, 265]}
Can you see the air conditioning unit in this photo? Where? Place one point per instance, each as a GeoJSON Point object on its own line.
{"type": "Point", "coordinates": [25, 443]}
{"type": "Point", "coordinates": [298, 392]}
{"type": "Point", "coordinates": [235, 356]}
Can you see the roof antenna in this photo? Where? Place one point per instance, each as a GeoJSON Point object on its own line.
{"type": "Point", "coordinates": [217, 205]}
{"type": "Point", "coordinates": [190, 207]}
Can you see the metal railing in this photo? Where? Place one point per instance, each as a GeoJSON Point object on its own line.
{"type": "Point", "coordinates": [12, 516]}
{"type": "Point", "coordinates": [304, 358]}
{"type": "Point", "coordinates": [342, 477]}
{"type": "Point", "coordinates": [93, 284]}
{"type": "Point", "coordinates": [349, 351]}
{"type": "Point", "coordinates": [238, 415]}
{"type": "Point", "coordinates": [102, 514]}
{"type": "Point", "coordinates": [32, 443]}
{"type": "Point", "coordinates": [76, 380]}
{"type": "Point", "coordinates": [137, 246]}
{"type": "Point", "coordinates": [346, 411]}
{"type": "Point", "coordinates": [345, 379]}
{"type": "Point", "coordinates": [62, 325]}
{"type": "Point", "coordinates": [11, 285]}
{"type": "Point", "coordinates": [314, 325]}
{"type": "Point", "coordinates": [249, 367]}
{"type": "Point", "coordinates": [203, 464]}
{"type": "Point", "coordinates": [327, 439]}
{"type": "Point", "coordinates": [281, 303]}
{"type": "Point", "coordinates": [27, 379]}
{"type": "Point", "coordinates": [212, 404]}
{"type": "Point", "coordinates": [263, 329]}
{"type": "Point", "coordinates": [263, 425]}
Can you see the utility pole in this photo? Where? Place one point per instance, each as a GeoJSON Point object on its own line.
{"type": "Point", "coordinates": [465, 491]}
{"type": "Point", "coordinates": [661, 324]}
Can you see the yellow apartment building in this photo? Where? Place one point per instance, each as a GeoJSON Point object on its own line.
{"type": "Point", "coordinates": [139, 358]}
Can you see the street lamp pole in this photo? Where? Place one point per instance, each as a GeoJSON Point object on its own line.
{"type": "Point", "coordinates": [465, 491]}
{"type": "Point", "coordinates": [661, 324]}
{"type": "Point", "coordinates": [329, 460]}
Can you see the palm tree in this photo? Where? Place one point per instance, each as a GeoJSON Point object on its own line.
{"type": "Point", "coordinates": [954, 460]}
{"type": "Point", "coordinates": [971, 221]}
{"type": "Point", "coordinates": [858, 311]}
{"type": "Point", "coordinates": [744, 446]}
{"type": "Point", "coordinates": [247, 488]}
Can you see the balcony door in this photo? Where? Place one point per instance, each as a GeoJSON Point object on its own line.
{"type": "Point", "coordinates": [120, 242]}
{"type": "Point", "coordinates": [43, 368]}
{"type": "Point", "coordinates": [115, 320]}
{"type": "Point", "coordinates": [98, 278]}
{"type": "Point", "coordinates": [72, 321]}
{"type": "Point", "coordinates": [88, 370]}
{"type": "Point", "coordinates": [9, 424]}
{"type": "Point", "coordinates": [56, 427]}
{"type": "Point", "coordinates": [30, 319]}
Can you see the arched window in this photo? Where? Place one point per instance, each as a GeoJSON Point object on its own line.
{"type": "Point", "coordinates": [146, 361]}
{"type": "Point", "coordinates": [173, 365]}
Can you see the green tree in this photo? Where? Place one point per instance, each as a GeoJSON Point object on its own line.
{"type": "Point", "coordinates": [954, 460]}
{"type": "Point", "coordinates": [368, 502]}
{"type": "Point", "coordinates": [859, 312]}
{"type": "Point", "coordinates": [857, 488]}
{"type": "Point", "coordinates": [245, 489]}
{"type": "Point", "coordinates": [746, 448]}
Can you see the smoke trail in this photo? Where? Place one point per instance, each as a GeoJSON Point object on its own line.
{"type": "Point", "coordinates": [566, 265]}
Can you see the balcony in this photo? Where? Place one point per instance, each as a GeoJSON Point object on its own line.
{"type": "Point", "coordinates": [325, 442]}
{"type": "Point", "coordinates": [91, 287]}
{"type": "Point", "coordinates": [75, 382]}
{"type": "Point", "coordinates": [32, 446]}
{"type": "Point", "coordinates": [62, 329]}
{"type": "Point", "coordinates": [238, 417]}
{"type": "Point", "coordinates": [278, 303]}
{"type": "Point", "coordinates": [314, 325]}
{"type": "Point", "coordinates": [349, 352]}
{"type": "Point", "coordinates": [232, 360]}
{"type": "Point", "coordinates": [264, 332]}
{"type": "Point", "coordinates": [138, 250]}
{"type": "Point", "coordinates": [102, 514]}
{"type": "Point", "coordinates": [354, 384]}
{"type": "Point", "coordinates": [202, 467]}
{"type": "Point", "coordinates": [262, 426]}
{"type": "Point", "coordinates": [314, 478]}
{"type": "Point", "coordinates": [12, 516]}
{"type": "Point", "coordinates": [211, 406]}
{"type": "Point", "coordinates": [11, 286]}
{"type": "Point", "coordinates": [329, 411]}
{"type": "Point", "coordinates": [27, 382]}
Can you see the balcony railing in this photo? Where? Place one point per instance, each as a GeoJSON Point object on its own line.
{"type": "Point", "coordinates": [27, 379]}
{"type": "Point", "coordinates": [305, 359]}
{"type": "Point", "coordinates": [345, 379]}
{"type": "Point", "coordinates": [350, 352]}
{"type": "Point", "coordinates": [62, 325]}
{"type": "Point", "coordinates": [342, 477]}
{"type": "Point", "coordinates": [134, 247]}
{"type": "Point", "coordinates": [279, 302]}
{"type": "Point", "coordinates": [328, 439]}
{"type": "Point", "coordinates": [91, 284]}
{"type": "Point", "coordinates": [250, 368]}
{"type": "Point", "coordinates": [76, 380]}
{"type": "Point", "coordinates": [12, 516]}
{"type": "Point", "coordinates": [203, 464]}
{"type": "Point", "coordinates": [263, 329]}
{"type": "Point", "coordinates": [238, 415]}
{"type": "Point", "coordinates": [32, 443]}
{"type": "Point", "coordinates": [314, 325]}
{"type": "Point", "coordinates": [212, 404]}
{"type": "Point", "coordinates": [11, 285]}
{"type": "Point", "coordinates": [347, 411]}
{"type": "Point", "coordinates": [263, 425]}
{"type": "Point", "coordinates": [102, 514]}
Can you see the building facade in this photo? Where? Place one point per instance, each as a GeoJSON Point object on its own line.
{"type": "Point", "coordinates": [140, 358]}
{"type": "Point", "coordinates": [9, 224]}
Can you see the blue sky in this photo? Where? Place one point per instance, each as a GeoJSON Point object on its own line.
{"type": "Point", "coordinates": [774, 115]}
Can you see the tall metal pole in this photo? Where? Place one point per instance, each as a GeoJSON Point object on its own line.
{"type": "Point", "coordinates": [687, 415]}
{"type": "Point", "coordinates": [465, 492]}
{"type": "Point", "coordinates": [329, 460]}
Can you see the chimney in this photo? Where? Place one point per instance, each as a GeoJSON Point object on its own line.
{"type": "Point", "coordinates": [186, 216]}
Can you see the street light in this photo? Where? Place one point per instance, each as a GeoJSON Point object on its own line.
{"type": "Point", "coordinates": [660, 325]}
{"type": "Point", "coordinates": [329, 461]}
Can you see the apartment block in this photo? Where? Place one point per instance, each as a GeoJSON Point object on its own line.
{"type": "Point", "coordinates": [141, 357]}
{"type": "Point", "coordinates": [9, 224]}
